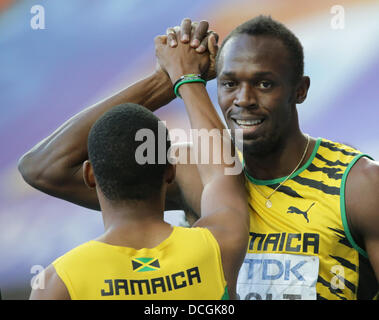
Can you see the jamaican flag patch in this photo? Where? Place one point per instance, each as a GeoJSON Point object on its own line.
{"type": "Point", "coordinates": [145, 264]}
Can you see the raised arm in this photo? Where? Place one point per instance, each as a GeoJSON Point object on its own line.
{"type": "Point", "coordinates": [54, 165]}
{"type": "Point", "coordinates": [224, 203]}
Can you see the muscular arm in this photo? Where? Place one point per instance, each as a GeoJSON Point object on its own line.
{"type": "Point", "coordinates": [362, 207]}
{"type": "Point", "coordinates": [54, 165]}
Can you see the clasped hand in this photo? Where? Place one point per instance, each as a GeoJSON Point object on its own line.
{"type": "Point", "coordinates": [195, 52]}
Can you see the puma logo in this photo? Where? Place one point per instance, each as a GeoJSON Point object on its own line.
{"type": "Point", "coordinates": [298, 211]}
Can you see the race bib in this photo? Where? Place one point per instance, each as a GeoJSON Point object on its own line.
{"type": "Point", "coordinates": [274, 276]}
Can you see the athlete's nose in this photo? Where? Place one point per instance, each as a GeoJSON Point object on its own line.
{"type": "Point", "coordinates": [245, 96]}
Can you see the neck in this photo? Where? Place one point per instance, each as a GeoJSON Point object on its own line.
{"type": "Point", "coordinates": [134, 224]}
{"type": "Point", "coordinates": [131, 212]}
{"type": "Point", "coordinates": [281, 161]}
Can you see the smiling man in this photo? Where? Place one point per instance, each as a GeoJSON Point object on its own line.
{"type": "Point", "coordinates": [314, 222]}
{"type": "Point", "coordinates": [311, 236]}
{"type": "Point", "coordinates": [256, 91]}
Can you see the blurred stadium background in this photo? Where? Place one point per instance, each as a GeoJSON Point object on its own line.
{"type": "Point", "coordinates": [92, 48]}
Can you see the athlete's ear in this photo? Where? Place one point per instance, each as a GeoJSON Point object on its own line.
{"type": "Point", "coordinates": [88, 175]}
{"type": "Point", "coordinates": [302, 89]}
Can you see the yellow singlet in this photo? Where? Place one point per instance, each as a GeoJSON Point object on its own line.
{"type": "Point", "coordinates": [301, 247]}
{"type": "Point", "coordinates": [186, 265]}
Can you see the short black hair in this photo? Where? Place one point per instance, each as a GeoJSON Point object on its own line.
{"type": "Point", "coordinates": [112, 150]}
{"type": "Point", "coordinates": [266, 26]}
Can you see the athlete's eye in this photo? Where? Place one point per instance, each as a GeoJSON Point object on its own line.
{"type": "Point", "coordinates": [265, 85]}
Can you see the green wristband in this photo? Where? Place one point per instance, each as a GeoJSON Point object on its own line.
{"type": "Point", "coordinates": [188, 78]}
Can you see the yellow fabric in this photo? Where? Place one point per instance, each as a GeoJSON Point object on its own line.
{"type": "Point", "coordinates": [304, 221]}
{"type": "Point", "coordinates": [186, 265]}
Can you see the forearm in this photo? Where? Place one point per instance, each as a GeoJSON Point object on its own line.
{"type": "Point", "coordinates": [66, 148]}
{"type": "Point", "coordinates": [199, 106]}
{"type": "Point", "coordinates": [212, 139]}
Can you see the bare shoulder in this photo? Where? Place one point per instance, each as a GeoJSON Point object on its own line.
{"type": "Point", "coordinates": [363, 180]}
{"type": "Point", "coordinates": [49, 286]}
{"type": "Point", "coordinates": [362, 198]}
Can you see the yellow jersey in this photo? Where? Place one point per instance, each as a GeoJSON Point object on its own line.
{"type": "Point", "coordinates": [301, 247]}
{"type": "Point", "coordinates": [185, 266]}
